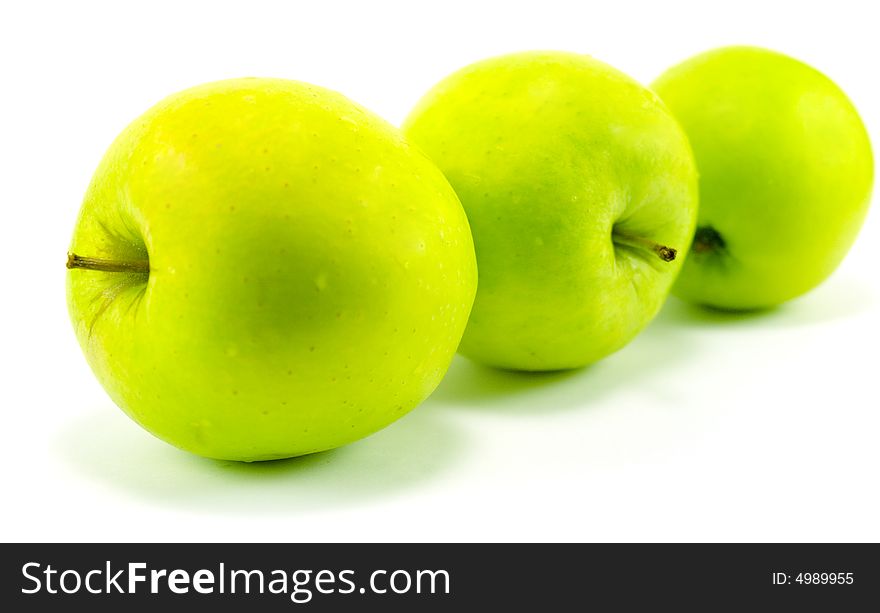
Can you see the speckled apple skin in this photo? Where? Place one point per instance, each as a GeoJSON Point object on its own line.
{"type": "Point", "coordinates": [786, 171]}
{"type": "Point", "coordinates": [311, 273]}
{"type": "Point", "coordinates": [549, 152]}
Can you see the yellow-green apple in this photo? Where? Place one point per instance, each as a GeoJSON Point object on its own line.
{"type": "Point", "coordinates": [580, 188]}
{"type": "Point", "coordinates": [785, 175]}
{"type": "Point", "coordinates": [262, 268]}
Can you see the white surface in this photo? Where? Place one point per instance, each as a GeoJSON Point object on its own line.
{"type": "Point", "coordinates": [705, 428]}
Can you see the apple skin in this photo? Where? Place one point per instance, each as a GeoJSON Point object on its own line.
{"type": "Point", "coordinates": [785, 175]}
{"type": "Point", "coordinates": [550, 153]}
{"type": "Point", "coordinates": [310, 272]}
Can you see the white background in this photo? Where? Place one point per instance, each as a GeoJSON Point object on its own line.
{"type": "Point", "coordinates": [707, 427]}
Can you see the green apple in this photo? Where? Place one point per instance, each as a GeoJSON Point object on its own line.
{"type": "Point", "coordinates": [785, 175]}
{"type": "Point", "coordinates": [579, 186]}
{"type": "Point", "coordinates": [262, 269]}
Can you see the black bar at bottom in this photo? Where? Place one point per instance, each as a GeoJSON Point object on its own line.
{"type": "Point", "coordinates": [438, 577]}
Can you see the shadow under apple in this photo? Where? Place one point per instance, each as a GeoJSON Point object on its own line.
{"type": "Point", "coordinates": [108, 448]}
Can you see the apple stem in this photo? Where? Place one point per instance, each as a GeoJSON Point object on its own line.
{"type": "Point", "coordinates": [667, 254]}
{"type": "Point", "coordinates": [77, 261]}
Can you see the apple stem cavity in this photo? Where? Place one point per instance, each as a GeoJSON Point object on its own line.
{"type": "Point", "coordinates": [85, 263]}
{"type": "Point", "coordinates": [667, 254]}
{"type": "Point", "coordinates": [707, 240]}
